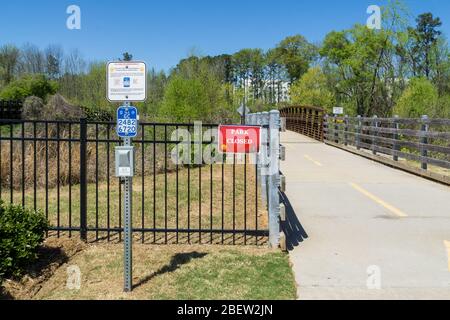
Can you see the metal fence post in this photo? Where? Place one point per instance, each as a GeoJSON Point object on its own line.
{"type": "Point", "coordinates": [264, 121]}
{"type": "Point", "coordinates": [274, 179]}
{"type": "Point", "coordinates": [396, 137]}
{"type": "Point", "coordinates": [358, 134]}
{"type": "Point", "coordinates": [374, 134]}
{"type": "Point", "coordinates": [83, 179]}
{"type": "Point", "coordinates": [424, 140]}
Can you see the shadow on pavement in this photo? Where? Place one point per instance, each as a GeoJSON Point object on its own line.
{"type": "Point", "coordinates": [292, 228]}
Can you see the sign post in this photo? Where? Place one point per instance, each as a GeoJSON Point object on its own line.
{"type": "Point", "coordinates": [127, 118]}
{"type": "Point", "coordinates": [126, 83]}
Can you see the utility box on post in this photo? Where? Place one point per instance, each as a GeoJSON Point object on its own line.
{"type": "Point", "coordinates": [124, 162]}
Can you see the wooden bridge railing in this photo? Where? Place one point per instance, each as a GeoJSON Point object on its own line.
{"type": "Point", "coordinates": [305, 120]}
{"type": "Point", "coordinates": [423, 141]}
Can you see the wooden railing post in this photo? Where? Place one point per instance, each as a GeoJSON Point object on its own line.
{"type": "Point", "coordinates": [374, 134]}
{"type": "Point", "coordinates": [358, 134]}
{"type": "Point", "coordinates": [336, 130]}
{"type": "Point", "coordinates": [346, 130]}
{"type": "Point", "coordinates": [396, 147]}
{"type": "Point", "coordinates": [424, 140]}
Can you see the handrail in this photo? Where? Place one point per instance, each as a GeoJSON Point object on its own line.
{"type": "Point", "coordinates": [306, 120]}
{"type": "Point", "coordinates": [424, 140]}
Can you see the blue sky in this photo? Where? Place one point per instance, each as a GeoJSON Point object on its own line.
{"type": "Point", "coordinates": [163, 32]}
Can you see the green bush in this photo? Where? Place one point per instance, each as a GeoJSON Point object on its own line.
{"type": "Point", "coordinates": [30, 85]}
{"type": "Point", "coordinates": [420, 98]}
{"type": "Point", "coordinates": [21, 232]}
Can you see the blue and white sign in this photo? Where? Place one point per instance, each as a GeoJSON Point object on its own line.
{"type": "Point", "coordinates": [127, 122]}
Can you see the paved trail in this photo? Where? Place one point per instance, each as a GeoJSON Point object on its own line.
{"type": "Point", "coordinates": [361, 217]}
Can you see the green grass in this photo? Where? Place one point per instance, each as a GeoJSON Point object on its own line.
{"type": "Point", "coordinates": [178, 272]}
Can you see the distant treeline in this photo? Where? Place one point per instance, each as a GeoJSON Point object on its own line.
{"type": "Point", "coordinates": [401, 69]}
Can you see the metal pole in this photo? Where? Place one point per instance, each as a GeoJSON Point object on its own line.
{"type": "Point", "coordinates": [274, 179]}
{"type": "Point", "coordinates": [127, 228]}
{"type": "Point", "coordinates": [264, 121]}
{"type": "Point", "coordinates": [83, 179]}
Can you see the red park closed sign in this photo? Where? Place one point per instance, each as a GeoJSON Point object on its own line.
{"type": "Point", "coordinates": [239, 139]}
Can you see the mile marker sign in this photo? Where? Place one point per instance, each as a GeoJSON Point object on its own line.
{"type": "Point", "coordinates": [127, 122]}
{"type": "Point", "coordinates": [127, 81]}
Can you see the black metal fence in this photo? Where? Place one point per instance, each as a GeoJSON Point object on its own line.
{"type": "Point", "coordinates": [10, 109]}
{"type": "Point", "coordinates": [66, 169]}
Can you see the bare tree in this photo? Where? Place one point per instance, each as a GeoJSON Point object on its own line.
{"type": "Point", "coordinates": [9, 57]}
{"type": "Point", "coordinates": [32, 60]}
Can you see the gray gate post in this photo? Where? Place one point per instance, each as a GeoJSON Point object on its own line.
{"type": "Point", "coordinates": [274, 179]}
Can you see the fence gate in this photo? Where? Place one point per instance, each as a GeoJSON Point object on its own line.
{"type": "Point", "coordinates": [65, 169]}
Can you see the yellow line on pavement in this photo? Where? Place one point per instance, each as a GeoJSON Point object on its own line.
{"type": "Point", "coordinates": [317, 163]}
{"type": "Point", "coordinates": [447, 245]}
{"type": "Point", "coordinates": [382, 203]}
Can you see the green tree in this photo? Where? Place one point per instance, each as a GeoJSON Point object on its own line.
{"type": "Point", "coordinates": [297, 54]}
{"type": "Point", "coordinates": [425, 37]}
{"type": "Point", "coordinates": [30, 85]}
{"type": "Point", "coordinates": [312, 90]}
{"type": "Point", "coordinates": [126, 56]}
{"type": "Point", "coordinates": [194, 92]}
{"type": "Point", "coordinates": [420, 98]}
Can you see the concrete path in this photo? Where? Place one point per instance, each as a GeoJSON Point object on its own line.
{"type": "Point", "coordinates": [364, 230]}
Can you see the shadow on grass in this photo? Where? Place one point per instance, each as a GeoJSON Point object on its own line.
{"type": "Point", "coordinates": [292, 228]}
{"type": "Point", "coordinates": [177, 261]}
{"type": "Point", "coordinates": [49, 259]}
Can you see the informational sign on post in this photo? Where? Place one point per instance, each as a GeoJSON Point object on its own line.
{"type": "Point", "coordinates": [127, 81]}
{"type": "Point", "coordinates": [338, 110]}
{"type": "Point", "coordinates": [235, 139]}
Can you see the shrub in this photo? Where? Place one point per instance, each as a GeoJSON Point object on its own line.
{"type": "Point", "coordinates": [420, 98]}
{"type": "Point", "coordinates": [21, 232]}
{"type": "Point", "coordinates": [30, 85]}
